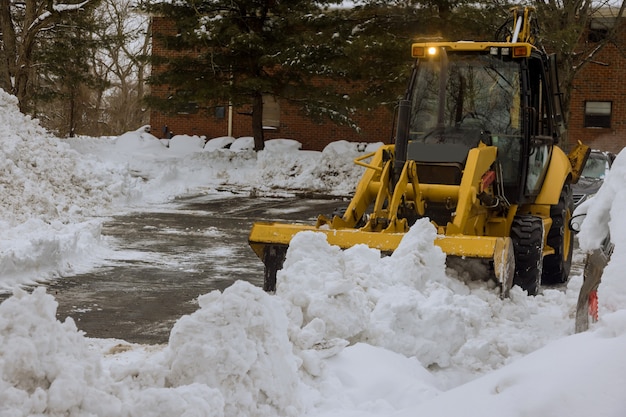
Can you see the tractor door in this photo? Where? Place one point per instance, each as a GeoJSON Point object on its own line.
{"type": "Point", "coordinates": [539, 125]}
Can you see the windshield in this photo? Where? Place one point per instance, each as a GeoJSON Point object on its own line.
{"type": "Point", "coordinates": [476, 99]}
{"type": "Point", "coordinates": [595, 167]}
{"type": "Point", "coordinates": [477, 94]}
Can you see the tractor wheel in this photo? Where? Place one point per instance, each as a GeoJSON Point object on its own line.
{"type": "Point", "coordinates": [556, 267]}
{"type": "Point", "coordinates": [527, 237]}
{"type": "Point", "coordinates": [273, 258]}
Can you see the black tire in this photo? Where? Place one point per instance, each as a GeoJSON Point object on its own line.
{"type": "Point", "coordinates": [527, 237]}
{"type": "Point", "coordinates": [556, 268]}
{"type": "Point", "coordinates": [273, 258]}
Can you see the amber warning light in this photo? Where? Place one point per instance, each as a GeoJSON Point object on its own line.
{"type": "Point", "coordinates": [521, 51]}
{"type": "Point", "coordinates": [418, 51]}
{"type": "Point", "coordinates": [421, 51]}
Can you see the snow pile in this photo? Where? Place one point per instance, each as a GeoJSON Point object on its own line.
{"type": "Point", "coordinates": [46, 367]}
{"type": "Point", "coordinates": [411, 304]}
{"type": "Point", "coordinates": [48, 192]}
{"type": "Point", "coordinates": [604, 214]}
{"type": "Point", "coordinates": [241, 336]}
{"type": "Point", "coordinates": [42, 177]}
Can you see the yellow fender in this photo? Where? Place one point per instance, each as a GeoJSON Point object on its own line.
{"type": "Point", "coordinates": [559, 171]}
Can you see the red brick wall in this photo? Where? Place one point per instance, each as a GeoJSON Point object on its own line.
{"type": "Point", "coordinates": [601, 80]}
{"type": "Point", "coordinates": [375, 126]}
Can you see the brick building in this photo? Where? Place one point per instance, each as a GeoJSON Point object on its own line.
{"type": "Point", "coordinates": [597, 106]}
{"type": "Point", "coordinates": [376, 126]}
{"type": "Point", "coordinates": [598, 101]}
{"type": "Point", "coordinates": [281, 119]}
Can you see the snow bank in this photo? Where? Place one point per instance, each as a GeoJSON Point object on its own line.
{"type": "Point", "coordinates": [42, 177]}
{"type": "Point", "coordinates": [605, 213]}
{"type": "Point", "coordinates": [568, 377]}
{"type": "Point", "coordinates": [46, 366]}
{"type": "Point", "coordinates": [52, 188]}
{"type": "Point", "coordinates": [410, 303]}
{"type": "Point", "coordinates": [49, 191]}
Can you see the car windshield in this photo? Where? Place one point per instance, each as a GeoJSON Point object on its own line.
{"type": "Point", "coordinates": [595, 167]}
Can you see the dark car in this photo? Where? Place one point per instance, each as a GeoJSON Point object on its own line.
{"type": "Point", "coordinates": [596, 168]}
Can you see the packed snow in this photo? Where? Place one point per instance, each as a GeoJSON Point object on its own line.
{"type": "Point", "coordinates": [348, 333]}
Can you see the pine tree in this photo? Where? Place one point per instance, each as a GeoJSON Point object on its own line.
{"type": "Point", "coordinates": [377, 39]}
{"type": "Point", "coordinates": [66, 83]}
{"type": "Point", "coordinates": [239, 51]}
{"type": "Point", "coordinates": [22, 24]}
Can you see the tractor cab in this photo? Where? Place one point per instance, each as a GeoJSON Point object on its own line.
{"type": "Point", "coordinates": [467, 94]}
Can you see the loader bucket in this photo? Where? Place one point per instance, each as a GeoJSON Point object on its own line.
{"type": "Point", "coordinates": [270, 241]}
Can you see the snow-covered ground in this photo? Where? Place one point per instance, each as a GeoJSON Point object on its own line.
{"type": "Point", "coordinates": [348, 333]}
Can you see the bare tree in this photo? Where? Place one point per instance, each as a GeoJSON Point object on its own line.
{"type": "Point", "coordinates": [21, 22]}
{"type": "Point", "coordinates": [566, 26]}
{"type": "Point", "coordinates": [123, 63]}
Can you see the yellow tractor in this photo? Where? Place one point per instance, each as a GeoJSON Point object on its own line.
{"type": "Point", "coordinates": [475, 152]}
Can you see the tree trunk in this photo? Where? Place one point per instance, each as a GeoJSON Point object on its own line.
{"type": "Point", "coordinates": [9, 48]}
{"type": "Point", "coordinates": [72, 116]}
{"type": "Point", "coordinates": [257, 121]}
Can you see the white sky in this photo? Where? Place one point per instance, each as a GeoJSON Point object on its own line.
{"type": "Point", "coordinates": [348, 333]}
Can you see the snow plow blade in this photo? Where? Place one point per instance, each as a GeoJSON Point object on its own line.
{"type": "Point", "coordinates": [270, 241]}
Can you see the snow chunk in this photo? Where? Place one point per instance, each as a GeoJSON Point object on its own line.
{"type": "Point", "coordinates": [237, 342]}
{"type": "Point", "coordinates": [244, 143]}
{"type": "Point", "coordinates": [218, 143]}
{"type": "Point", "coordinates": [186, 144]}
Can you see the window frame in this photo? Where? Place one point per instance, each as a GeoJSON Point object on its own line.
{"type": "Point", "coordinates": [597, 119]}
{"type": "Point", "coordinates": [271, 112]}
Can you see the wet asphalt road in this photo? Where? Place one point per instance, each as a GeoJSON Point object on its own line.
{"type": "Point", "coordinates": [172, 256]}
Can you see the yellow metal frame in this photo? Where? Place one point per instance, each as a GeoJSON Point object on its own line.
{"type": "Point", "coordinates": [267, 233]}
{"type": "Point", "coordinates": [516, 50]}
{"type": "Point", "coordinates": [558, 173]}
{"type": "Point", "coordinates": [464, 236]}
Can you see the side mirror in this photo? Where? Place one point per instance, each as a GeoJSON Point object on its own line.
{"type": "Point", "coordinates": [576, 222]}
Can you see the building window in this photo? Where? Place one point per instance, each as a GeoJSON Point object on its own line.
{"type": "Point", "coordinates": [220, 112]}
{"type": "Point", "coordinates": [598, 113]}
{"type": "Point", "coordinates": [271, 112]}
{"type": "Point", "coordinates": [597, 35]}
{"type": "Point", "coordinates": [600, 25]}
{"type": "Point", "coordinates": [184, 102]}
